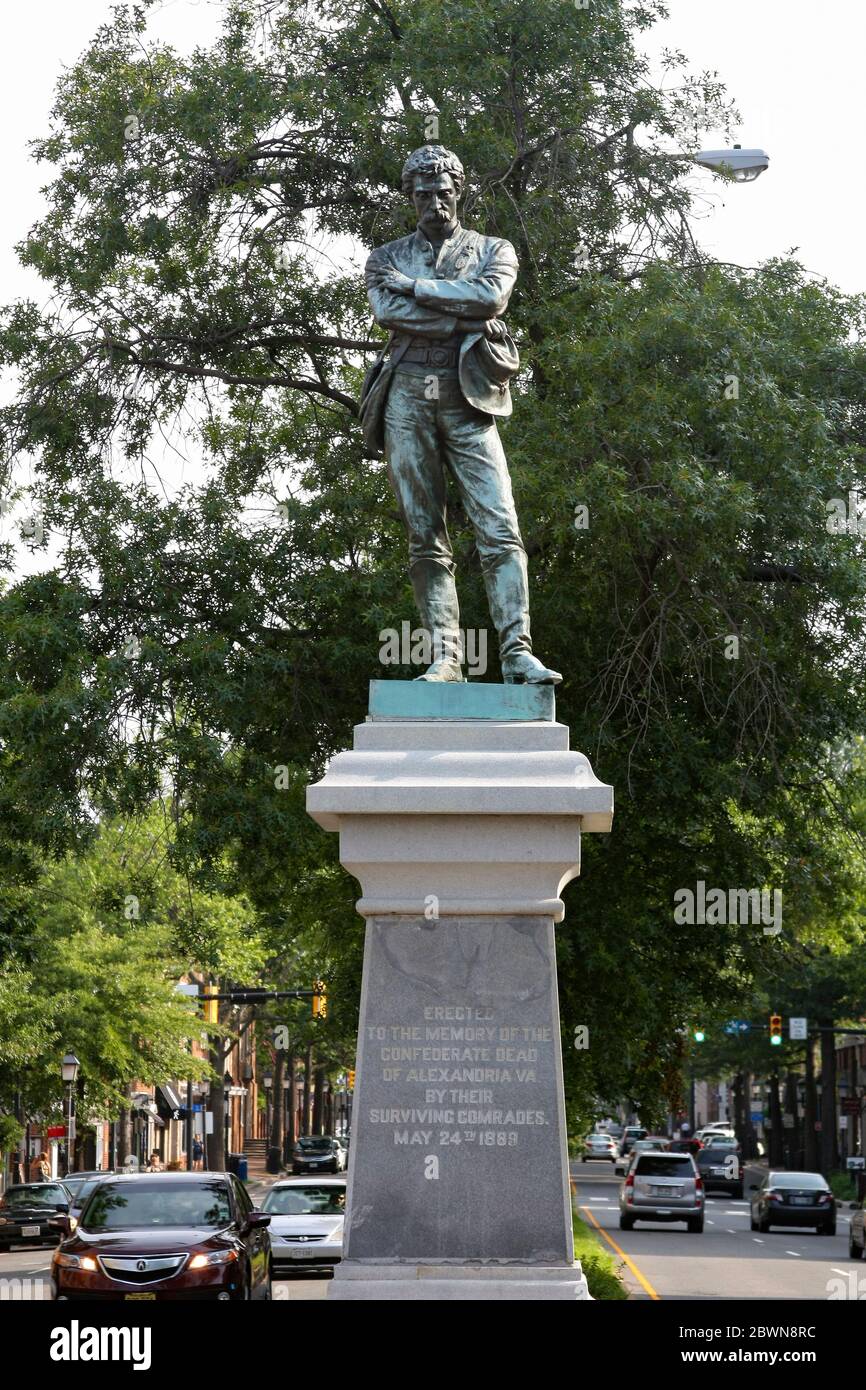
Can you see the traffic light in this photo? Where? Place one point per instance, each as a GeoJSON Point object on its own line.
{"type": "Point", "coordinates": [320, 1000]}
{"type": "Point", "coordinates": [699, 1035]}
{"type": "Point", "coordinates": [776, 1030]}
{"type": "Point", "coordinates": [350, 1080]}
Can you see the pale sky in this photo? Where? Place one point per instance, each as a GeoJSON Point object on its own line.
{"type": "Point", "coordinates": [794, 67]}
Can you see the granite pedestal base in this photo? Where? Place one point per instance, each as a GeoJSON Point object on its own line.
{"type": "Point", "coordinates": [463, 831]}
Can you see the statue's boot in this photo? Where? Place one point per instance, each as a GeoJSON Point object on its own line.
{"type": "Point", "coordinates": [436, 597]}
{"type": "Point", "coordinates": [507, 584]}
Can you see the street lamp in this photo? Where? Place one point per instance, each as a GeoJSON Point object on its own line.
{"type": "Point", "coordinates": [745, 165]}
{"type": "Point", "coordinates": [69, 1073]}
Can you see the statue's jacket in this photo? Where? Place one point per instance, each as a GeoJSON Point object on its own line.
{"type": "Point", "coordinates": [472, 277]}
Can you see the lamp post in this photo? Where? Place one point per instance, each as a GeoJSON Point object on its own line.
{"type": "Point", "coordinates": [69, 1072]}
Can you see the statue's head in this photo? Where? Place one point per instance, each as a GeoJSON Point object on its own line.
{"type": "Point", "coordinates": [433, 178]}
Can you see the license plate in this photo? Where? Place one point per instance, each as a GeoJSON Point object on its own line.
{"type": "Point", "coordinates": [149, 1297]}
{"type": "Point", "coordinates": [31, 1230]}
{"type": "Point", "coordinates": [717, 1172]}
{"type": "Point", "coordinates": [666, 1191]}
{"type": "Point", "coordinates": [802, 1201]}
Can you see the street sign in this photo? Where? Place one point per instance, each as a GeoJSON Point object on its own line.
{"type": "Point", "coordinates": [190, 990]}
{"type": "Point", "coordinates": [858, 1161]}
{"type": "Point", "coordinates": [787, 1121]}
{"type": "Point", "coordinates": [737, 1025]}
{"type": "Point", "coordinates": [798, 1029]}
{"type": "Point", "coordinates": [850, 1105]}
{"type": "Point", "coordinates": [55, 1132]}
{"type": "Point", "coordinates": [757, 1117]}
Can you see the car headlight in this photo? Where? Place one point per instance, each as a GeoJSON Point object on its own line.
{"type": "Point", "coordinates": [216, 1257]}
{"type": "Point", "coordinates": [85, 1262]}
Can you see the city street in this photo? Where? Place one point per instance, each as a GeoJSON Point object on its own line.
{"type": "Point", "coordinates": [728, 1260]}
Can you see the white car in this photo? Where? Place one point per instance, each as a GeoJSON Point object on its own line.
{"type": "Point", "coordinates": [599, 1146]}
{"type": "Point", "coordinates": [306, 1229]}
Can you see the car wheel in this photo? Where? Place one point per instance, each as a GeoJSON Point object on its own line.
{"type": "Point", "coordinates": [695, 1225]}
{"type": "Point", "coordinates": [583, 1160]}
{"type": "Point", "coordinates": [738, 1193]}
{"type": "Point", "coordinates": [828, 1229]}
{"type": "Point", "coordinates": [855, 1251]}
{"type": "Point", "coordinates": [626, 1223]}
{"type": "Point", "coordinates": [753, 1223]}
{"type": "Point", "coordinates": [763, 1225]}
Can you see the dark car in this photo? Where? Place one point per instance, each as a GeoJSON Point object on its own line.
{"type": "Point", "coordinates": [317, 1153]}
{"type": "Point", "coordinates": [80, 1186]}
{"type": "Point", "coordinates": [794, 1199]}
{"type": "Point", "coordinates": [629, 1135]}
{"type": "Point", "coordinates": [857, 1232]}
{"type": "Point", "coordinates": [721, 1169]}
{"type": "Point", "coordinates": [166, 1236]}
{"type": "Point", "coordinates": [26, 1212]}
{"type": "Point", "coordinates": [685, 1146]}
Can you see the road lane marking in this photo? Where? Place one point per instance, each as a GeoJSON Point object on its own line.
{"type": "Point", "coordinates": [757, 1242]}
{"type": "Point", "coordinates": [795, 1253]}
{"type": "Point", "coordinates": [644, 1283]}
{"type": "Point", "coordinates": [834, 1270]}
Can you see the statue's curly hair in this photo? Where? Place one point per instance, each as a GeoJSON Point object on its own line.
{"type": "Point", "coordinates": [432, 159]}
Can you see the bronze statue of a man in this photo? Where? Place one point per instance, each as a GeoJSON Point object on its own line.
{"type": "Point", "coordinates": [430, 404]}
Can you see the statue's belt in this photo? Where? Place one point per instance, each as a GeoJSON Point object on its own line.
{"type": "Point", "coordinates": [431, 356]}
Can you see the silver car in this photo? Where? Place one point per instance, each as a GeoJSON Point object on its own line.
{"type": "Point", "coordinates": [599, 1146]}
{"type": "Point", "coordinates": [306, 1227]}
{"type": "Point", "coordinates": [662, 1186]}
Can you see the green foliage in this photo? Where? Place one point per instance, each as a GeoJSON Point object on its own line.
{"type": "Point", "coordinates": [214, 634]}
{"type": "Point", "coordinates": [599, 1266]}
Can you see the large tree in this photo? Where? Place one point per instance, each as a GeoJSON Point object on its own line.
{"type": "Point", "coordinates": [205, 222]}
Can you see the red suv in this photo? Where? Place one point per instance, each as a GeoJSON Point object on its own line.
{"type": "Point", "coordinates": [160, 1236]}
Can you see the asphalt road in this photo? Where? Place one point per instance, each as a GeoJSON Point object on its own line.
{"type": "Point", "coordinates": [728, 1260]}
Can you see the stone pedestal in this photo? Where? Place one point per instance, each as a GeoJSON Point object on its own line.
{"type": "Point", "coordinates": [462, 832]}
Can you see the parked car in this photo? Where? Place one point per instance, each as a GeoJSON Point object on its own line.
{"type": "Point", "coordinates": [718, 1172]}
{"type": "Point", "coordinates": [165, 1236]}
{"type": "Point", "coordinates": [794, 1199]}
{"type": "Point", "coordinates": [318, 1153]}
{"type": "Point", "coordinates": [599, 1146]}
{"type": "Point", "coordinates": [662, 1187]}
{"type": "Point", "coordinates": [306, 1230]}
{"type": "Point", "coordinates": [857, 1232]}
{"type": "Point", "coordinates": [26, 1210]}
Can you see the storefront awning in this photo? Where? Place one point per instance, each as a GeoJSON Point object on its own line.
{"type": "Point", "coordinates": [168, 1102]}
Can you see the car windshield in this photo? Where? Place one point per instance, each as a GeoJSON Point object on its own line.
{"type": "Point", "coordinates": [799, 1180]}
{"type": "Point", "coordinates": [309, 1200]}
{"type": "Point", "coordinates": [74, 1185]}
{"type": "Point", "coordinates": [40, 1194]}
{"type": "Point", "coordinates": [716, 1153]}
{"type": "Point", "coordinates": [316, 1145]}
{"type": "Point", "coordinates": [663, 1166]}
{"type": "Point", "coordinates": [116, 1206]}
{"type": "Point", "coordinates": [84, 1190]}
